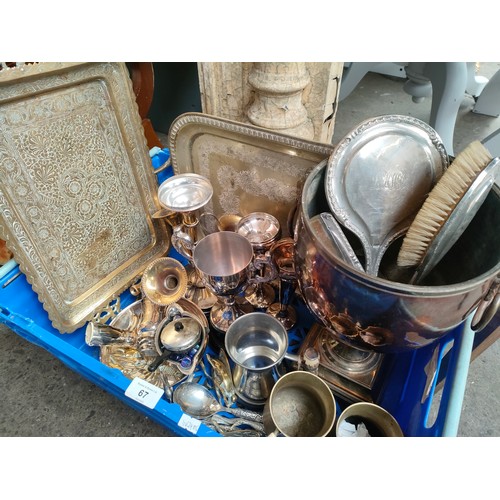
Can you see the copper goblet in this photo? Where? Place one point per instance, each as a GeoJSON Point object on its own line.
{"type": "Point", "coordinates": [282, 255]}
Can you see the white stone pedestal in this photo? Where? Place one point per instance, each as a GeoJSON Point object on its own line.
{"type": "Point", "coordinates": [298, 99]}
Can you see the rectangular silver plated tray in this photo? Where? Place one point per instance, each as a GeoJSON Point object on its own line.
{"type": "Point", "coordinates": [251, 169]}
{"type": "Point", "coordinates": [77, 189]}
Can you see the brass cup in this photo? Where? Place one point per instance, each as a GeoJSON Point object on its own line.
{"type": "Point", "coordinates": [229, 222]}
{"type": "Point", "coordinates": [378, 421]}
{"type": "Point", "coordinates": [164, 281]}
{"type": "Point", "coordinates": [300, 405]}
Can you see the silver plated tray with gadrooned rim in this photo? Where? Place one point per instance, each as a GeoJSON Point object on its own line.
{"type": "Point", "coordinates": [251, 169]}
{"type": "Point", "coordinates": [379, 176]}
{"type": "Point", "coordinates": [77, 189]}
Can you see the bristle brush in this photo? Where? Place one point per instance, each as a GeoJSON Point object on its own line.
{"type": "Point", "coordinates": [448, 210]}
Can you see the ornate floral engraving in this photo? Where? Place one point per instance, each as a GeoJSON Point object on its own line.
{"type": "Point", "coordinates": [76, 187]}
{"type": "Point", "coordinates": [250, 168]}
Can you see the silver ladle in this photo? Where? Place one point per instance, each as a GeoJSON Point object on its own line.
{"type": "Point", "coordinates": [198, 402]}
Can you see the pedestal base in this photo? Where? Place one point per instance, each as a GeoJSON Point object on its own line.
{"type": "Point", "coordinates": [260, 296]}
{"type": "Point", "coordinates": [196, 291]}
{"type": "Point", "coordinates": [288, 319]}
{"type": "Point", "coordinates": [223, 315]}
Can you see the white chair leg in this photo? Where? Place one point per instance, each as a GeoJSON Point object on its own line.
{"type": "Point", "coordinates": [353, 73]}
{"type": "Point", "coordinates": [475, 83]}
{"type": "Point", "coordinates": [488, 102]}
{"type": "Point", "coordinates": [449, 81]}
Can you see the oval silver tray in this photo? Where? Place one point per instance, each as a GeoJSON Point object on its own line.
{"type": "Point", "coordinates": [130, 361]}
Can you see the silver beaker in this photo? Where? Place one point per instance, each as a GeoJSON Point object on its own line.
{"type": "Point", "coordinates": [300, 405]}
{"type": "Point", "coordinates": [377, 421]}
{"type": "Point", "coordinates": [257, 344]}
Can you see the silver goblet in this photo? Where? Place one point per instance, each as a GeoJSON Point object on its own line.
{"type": "Point", "coordinates": [262, 230]}
{"type": "Point", "coordinates": [223, 260]}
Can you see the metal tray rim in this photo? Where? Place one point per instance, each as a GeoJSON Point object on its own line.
{"type": "Point", "coordinates": [280, 175]}
{"type": "Point", "coordinates": [225, 125]}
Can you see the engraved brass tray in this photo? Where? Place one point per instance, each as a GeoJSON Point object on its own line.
{"type": "Point", "coordinates": [77, 188]}
{"type": "Point", "coordinates": [251, 169]}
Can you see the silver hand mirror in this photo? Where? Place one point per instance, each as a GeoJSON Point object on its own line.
{"type": "Point", "coordinates": [377, 179]}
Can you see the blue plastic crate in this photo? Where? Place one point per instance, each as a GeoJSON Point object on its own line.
{"type": "Point", "coordinates": [21, 311]}
{"type": "Point", "coordinates": [400, 391]}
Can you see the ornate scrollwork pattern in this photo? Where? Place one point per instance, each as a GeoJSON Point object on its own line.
{"type": "Point", "coordinates": [76, 185]}
{"type": "Point", "coordinates": [251, 169]}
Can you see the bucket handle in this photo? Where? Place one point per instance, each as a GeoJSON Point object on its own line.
{"type": "Point", "coordinates": [163, 167]}
{"type": "Point", "coordinates": [487, 308]}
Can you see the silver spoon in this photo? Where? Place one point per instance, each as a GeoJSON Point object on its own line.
{"type": "Point", "coordinates": [167, 386]}
{"type": "Point", "coordinates": [198, 402]}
